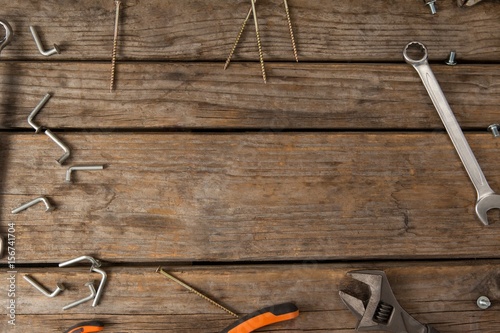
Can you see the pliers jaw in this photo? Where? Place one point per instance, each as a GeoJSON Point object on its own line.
{"type": "Point", "coordinates": [382, 311]}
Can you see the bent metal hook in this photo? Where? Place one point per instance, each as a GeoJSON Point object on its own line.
{"type": "Point", "coordinates": [3, 43]}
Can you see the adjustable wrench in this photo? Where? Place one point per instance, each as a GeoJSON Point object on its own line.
{"type": "Point", "coordinates": [486, 198]}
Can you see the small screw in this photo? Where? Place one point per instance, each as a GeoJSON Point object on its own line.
{"type": "Point", "coordinates": [451, 59]}
{"type": "Point", "coordinates": [483, 302]}
{"type": "Point", "coordinates": [494, 129]}
{"type": "Point", "coordinates": [432, 5]}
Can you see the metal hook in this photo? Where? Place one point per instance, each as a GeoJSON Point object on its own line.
{"type": "Point", "coordinates": [35, 112]}
{"type": "Point", "coordinates": [83, 300]}
{"type": "Point", "coordinates": [8, 34]}
{"type": "Point", "coordinates": [94, 262]}
{"type": "Point", "coordinates": [101, 285]}
{"type": "Point", "coordinates": [80, 168]}
{"type": "Point", "coordinates": [60, 287]}
{"type": "Point", "coordinates": [48, 206]}
{"type": "Point", "coordinates": [40, 46]}
{"type": "Point", "coordinates": [54, 138]}
{"type": "Point", "coordinates": [1, 247]}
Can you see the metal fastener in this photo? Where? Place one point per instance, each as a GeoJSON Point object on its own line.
{"type": "Point", "coordinates": [483, 302]}
{"type": "Point", "coordinates": [85, 299]}
{"type": "Point", "coordinates": [451, 59]}
{"type": "Point", "coordinates": [40, 46]}
{"type": "Point", "coordinates": [494, 129]}
{"type": "Point", "coordinates": [1, 246]}
{"type": "Point", "coordinates": [432, 5]}
{"type": "Point", "coordinates": [194, 291]}
{"type": "Point", "coordinates": [35, 111]}
{"type": "Point", "coordinates": [115, 43]}
{"type": "Point", "coordinates": [59, 287]}
{"type": "Point", "coordinates": [100, 289]}
{"type": "Point", "coordinates": [61, 144]}
{"type": "Point", "coordinates": [94, 262]}
{"type": "Point", "coordinates": [80, 168]}
{"type": "Point", "coordinates": [94, 268]}
{"type": "Point", "coordinates": [48, 206]}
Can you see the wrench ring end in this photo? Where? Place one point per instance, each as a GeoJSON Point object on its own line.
{"type": "Point", "coordinates": [412, 61]}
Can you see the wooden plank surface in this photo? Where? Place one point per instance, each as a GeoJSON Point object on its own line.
{"type": "Point", "coordinates": [284, 196]}
{"type": "Point", "coordinates": [354, 30]}
{"type": "Point", "coordinates": [255, 194]}
{"type": "Point", "coordinates": [184, 95]}
{"type": "Point", "coordinates": [137, 299]}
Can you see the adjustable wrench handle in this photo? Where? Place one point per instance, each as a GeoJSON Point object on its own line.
{"type": "Point", "coordinates": [451, 124]}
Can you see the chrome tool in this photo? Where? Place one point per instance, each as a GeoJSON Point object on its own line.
{"type": "Point", "coordinates": [486, 198]}
{"type": "Point", "coordinates": [382, 311]}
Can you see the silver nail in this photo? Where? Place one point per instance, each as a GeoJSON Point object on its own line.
{"type": "Point", "coordinates": [48, 206]}
{"type": "Point", "coordinates": [83, 300]}
{"type": "Point", "coordinates": [35, 111]}
{"type": "Point", "coordinates": [60, 287]}
{"type": "Point", "coordinates": [80, 168]}
{"type": "Point", "coordinates": [40, 46]}
{"type": "Point", "coordinates": [54, 138]}
{"type": "Point", "coordinates": [101, 285]}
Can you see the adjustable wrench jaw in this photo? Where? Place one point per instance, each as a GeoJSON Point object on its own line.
{"type": "Point", "coordinates": [382, 312]}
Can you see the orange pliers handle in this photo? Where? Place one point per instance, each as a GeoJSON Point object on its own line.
{"type": "Point", "coordinates": [263, 317]}
{"type": "Point", "coordinates": [86, 327]}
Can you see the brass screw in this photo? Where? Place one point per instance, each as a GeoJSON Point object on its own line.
{"type": "Point", "coordinates": [115, 42]}
{"type": "Point", "coordinates": [261, 56]}
{"type": "Point", "coordinates": [252, 9]}
{"type": "Point", "coordinates": [291, 30]}
{"type": "Point", "coordinates": [238, 38]}
{"type": "Point", "coordinates": [194, 291]}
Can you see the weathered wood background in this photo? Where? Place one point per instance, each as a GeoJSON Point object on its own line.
{"type": "Point", "coordinates": [253, 193]}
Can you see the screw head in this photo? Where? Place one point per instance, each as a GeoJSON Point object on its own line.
{"type": "Point", "coordinates": [451, 59]}
{"type": "Point", "coordinates": [483, 302]}
{"type": "Point", "coordinates": [432, 5]}
{"type": "Point", "coordinates": [494, 129]}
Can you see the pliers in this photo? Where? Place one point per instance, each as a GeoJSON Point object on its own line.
{"type": "Point", "coordinates": [382, 311]}
{"type": "Point", "coordinates": [467, 3]}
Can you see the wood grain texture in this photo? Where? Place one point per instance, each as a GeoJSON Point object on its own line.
{"type": "Point", "coordinates": [268, 196]}
{"type": "Point", "coordinates": [197, 30]}
{"type": "Point", "coordinates": [137, 299]}
{"type": "Point", "coordinates": [202, 95]}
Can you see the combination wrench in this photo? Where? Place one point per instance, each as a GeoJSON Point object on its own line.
{"type": "Point", "coordinates": [486, 198]}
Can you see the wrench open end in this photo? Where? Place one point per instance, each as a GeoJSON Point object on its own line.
{"type": "Point", "coordinates": [415, 49]}
{"type": "Point", "coordinates": [486, 203]}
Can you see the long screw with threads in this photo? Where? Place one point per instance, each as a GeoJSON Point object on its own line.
{"type": "Point", "coordinates": [261, 56]}
{"type": "Point", "coordinates": [238, 38]}
{"type": "Point", "coordinates": [291, 30]}
{"type": "Point", "coordinates": [240, 33]}
{"type": "Point", "coordinates": [115, 44]}
{"type": "Point", "coordinates": [194, 291]}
